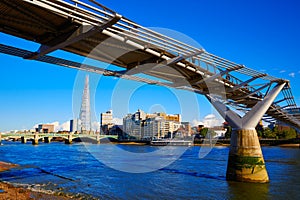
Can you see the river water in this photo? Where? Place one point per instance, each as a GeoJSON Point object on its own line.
{"type": "Point", "coordinates": [74, 169]}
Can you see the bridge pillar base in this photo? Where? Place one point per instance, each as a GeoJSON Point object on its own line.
{"type": "Point", "coordinates": [245, 161]}
{"type": "Point", "coordinates": [47, 140]}
{"type": "Point", "coordinates": [69, 140]}
{"type": "Point", "coordinates": [98, 139]}
{"type": "Point", "coordinates": [23, 140]}
{"type": "Point", "coordinates": [35, 140]}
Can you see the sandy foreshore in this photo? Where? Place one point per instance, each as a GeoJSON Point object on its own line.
{"type": "Point", "coordinates": [10, 192]}
{"type": "Point", "coordinates": [6, 166]}
{"type": "Point", "coordinates": [290, 145]}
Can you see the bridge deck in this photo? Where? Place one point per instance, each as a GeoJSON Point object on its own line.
{"type": "Point", "coordinates": [77, 27]}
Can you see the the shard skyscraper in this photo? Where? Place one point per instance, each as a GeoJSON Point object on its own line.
{"type": "Point", "coordinates": [85, 110]}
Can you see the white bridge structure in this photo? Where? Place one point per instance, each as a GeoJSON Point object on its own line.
{"type": "Point", "coordinates": [243, 96]}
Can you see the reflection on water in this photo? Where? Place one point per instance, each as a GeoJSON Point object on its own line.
{"type": "Point", "coordinates": [72, 169]}
{"type": "Point", "coordinates": [248, 190]}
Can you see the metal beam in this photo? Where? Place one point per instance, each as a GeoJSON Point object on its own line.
{"type": "Point", "coordinates": [245, 82]}
{"type": "Point", "coordinates": [254, 92]}
{"type": "Point", "coordinates": [279, 108]}
{"type": "Point", "coordinates": [182, 57]}
{"type": "Point", "coordinates": [251, 119]}
{"type": "Point", "coordinates": [81, 33]}
{"type": "Point", "coordinates": [222, 73]}
{"type": "Point", "coordinates": [145, 66]}
{"type": "Point", "coordinates": [230, 116]}
{"type": "Point", "coordinates": [279, 101]}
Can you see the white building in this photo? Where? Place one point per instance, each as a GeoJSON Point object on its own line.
{"type": "Point", "coordinates": [158, 125]}
{"type": "Point", "coordinates": [153, 127]}
{"type": "Point", "coordinates": [132, 124]}
{"type": "Point", "coordinates": [106, 122]}
{"type": "Point", "coordinates": [106, 118]}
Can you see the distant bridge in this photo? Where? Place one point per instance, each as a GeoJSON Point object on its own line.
{"type": "Point", "coordinates": [47, 137]}
{"type": "Point", "coordinates": [78, 27]}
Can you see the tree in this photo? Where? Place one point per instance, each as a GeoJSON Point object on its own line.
{"type": "Point", "coordinates": [228, 132]}
{"type": "Point", "coordinates": [268, 133]}
{"type": "Point", "coordinates": [259, 133]}
{"type": "Point", "coordinates": [203, 132]}
{"type": "Point", "coordinates": [289, 134]}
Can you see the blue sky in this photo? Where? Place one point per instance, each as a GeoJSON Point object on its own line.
{"type": "Point", "coordinates": [262, 35]}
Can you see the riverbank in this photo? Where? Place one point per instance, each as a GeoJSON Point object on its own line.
{"type": "Point", "coordinates": [9, 191]}
{"type": "Point", "coordinates": [6, 166]}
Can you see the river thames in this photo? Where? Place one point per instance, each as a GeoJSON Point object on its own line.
{"type": "Point", "coordinates": [73, 169]}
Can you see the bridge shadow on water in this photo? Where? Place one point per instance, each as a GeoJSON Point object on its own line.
{"type": "Point", "coordinates": [30, 171]}
{"type": "Point", "coordinates": [195, 174]}
{"type": "Point", "coordinates": [235, 190]}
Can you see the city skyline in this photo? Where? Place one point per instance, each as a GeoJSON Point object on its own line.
{"type": "Point", "coordinates": [34, 92]}
{"type": "Point", "coordinates": [209, 121]}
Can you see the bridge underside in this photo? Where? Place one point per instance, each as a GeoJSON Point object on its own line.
{"type": "Point", "coordinates": [101, 34]}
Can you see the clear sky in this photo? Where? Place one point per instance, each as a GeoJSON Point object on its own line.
{"type": "Point", "coordinates": [261, 34]}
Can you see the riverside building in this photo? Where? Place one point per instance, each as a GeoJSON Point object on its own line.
{"type": "Point", "coordinates": [141, 125]}
{"type": "Point", "coordinates": [106, 122]}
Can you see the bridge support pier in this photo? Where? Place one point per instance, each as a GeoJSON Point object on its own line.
{"type": "Point", "coordinates": [98, 138]}
{"type": "Point", "coordinates": [35, 140]}
{"type": "Point", "coordinates": [23, 140]}
{"type": "Point", "coordinates": [245, 161]}
{"type": "Point", "coordinates": [47, 139]}
{"type": "Point", "coordinates": [0, 138]}
{"type": "Point", "coordinates": [69, 140]}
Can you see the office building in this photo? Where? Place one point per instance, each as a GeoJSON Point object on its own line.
{"type": "Point", "coordinates": [74, 125]}
{"type": "Point", "coordinates": [106, 122]}
{"type": "Point", "coordinates": [158, 125]}
{"type": "Point", "coordinates": [45, 128]}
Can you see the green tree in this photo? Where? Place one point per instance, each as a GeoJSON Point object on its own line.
{"type": "Point", "coordinates": [289, 134]}
{"type": "Point", "coordinates": [268, 133]}
{"type": "Point", "coordinates": [203, 132]}
{"type": "Point", "coordinates": [228, 132]}
{"type": "Point", "coordinates": [259, 133]}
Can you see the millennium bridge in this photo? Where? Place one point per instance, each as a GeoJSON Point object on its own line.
{"type": "Point", "coordinates": [243, 96]}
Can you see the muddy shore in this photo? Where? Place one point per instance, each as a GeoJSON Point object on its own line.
{"type": "Point", "coordinates": [10, 192]}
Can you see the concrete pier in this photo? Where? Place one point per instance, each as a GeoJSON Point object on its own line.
{"type": "Point", "coordinates": [69, 140]}
{"type": "Point", "coordinates": [98, 138]}
{"type": "Point", "coordinates": [245, 161]}
{"type": "Point", "coordinates": [47, 139]}
{"type": "Point", "coordinates": [0, 138]}
{"type": "Point", "coordinates": [23, 140]}
{"type": "Point", "coordinates": [35, 140]}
